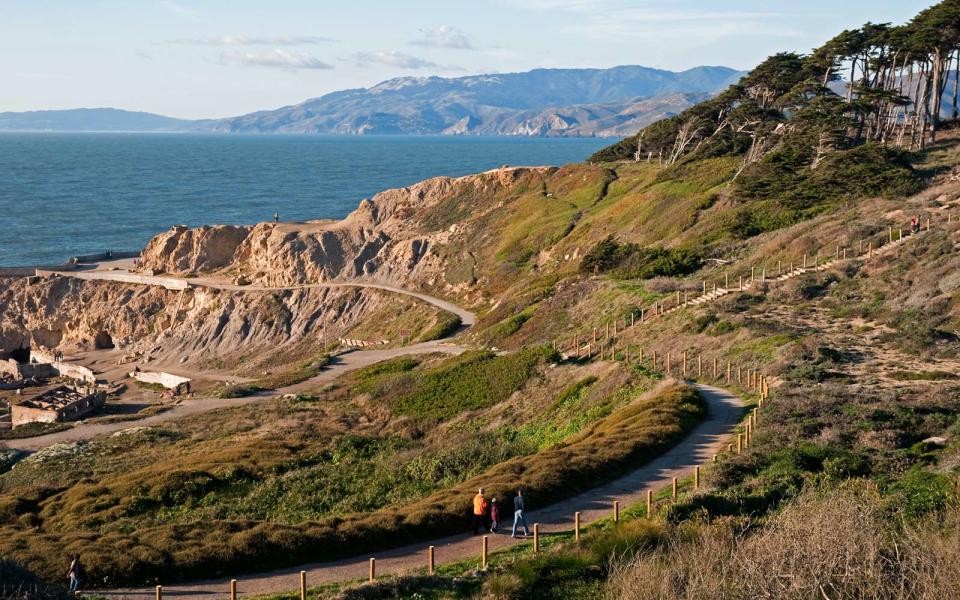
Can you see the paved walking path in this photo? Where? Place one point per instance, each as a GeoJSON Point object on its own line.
{"type": "Point", "coordinates": [707, 439]}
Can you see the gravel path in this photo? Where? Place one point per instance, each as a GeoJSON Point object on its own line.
{"type": "Point", "coordinates": [709, 438]}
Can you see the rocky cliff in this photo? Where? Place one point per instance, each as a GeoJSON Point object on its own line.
{"type": "Point", "coordinates": [394, 237]}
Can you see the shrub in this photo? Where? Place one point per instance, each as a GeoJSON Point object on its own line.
{"type": "Point", "coordinates": [630, 261]}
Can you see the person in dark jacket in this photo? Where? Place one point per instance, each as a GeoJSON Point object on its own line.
{"type": "Point", "coordinates": [494, 515]}
{"type": "Point", "coordinates": [519, 515]}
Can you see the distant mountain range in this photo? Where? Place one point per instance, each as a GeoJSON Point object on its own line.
{"type": "Point", "coordinates": [542, 102]}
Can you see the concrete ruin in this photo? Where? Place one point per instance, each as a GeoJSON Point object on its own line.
{"type": "Point", "coordinates": [168, 380]}
{"type": "Point", "coordinates": [62, 403]}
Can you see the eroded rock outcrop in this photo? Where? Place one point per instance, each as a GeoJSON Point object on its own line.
{"type": "Point", "coordinates": [203, 249]}
{"type": "Point", "coordinates": [389, 238]}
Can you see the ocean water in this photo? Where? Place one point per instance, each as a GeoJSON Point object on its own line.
{"type": "Point", "coordinates": [68, 194]}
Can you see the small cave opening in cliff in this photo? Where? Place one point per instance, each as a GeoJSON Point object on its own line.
{"type": "Point", "coordinates": [103, 341]}
{"type": "Point", "coordinates": [21, 354]}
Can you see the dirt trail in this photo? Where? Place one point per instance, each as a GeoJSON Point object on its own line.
{"type": "Point", "coordinates": [342, 363]}
{"type": "Point", "coordinates": [709, 438]}
{"type": "Point", "coordinates": [107, 271]}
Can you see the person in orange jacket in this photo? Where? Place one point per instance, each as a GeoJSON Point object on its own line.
{"type": "Point", "coordinates": [480, 507]}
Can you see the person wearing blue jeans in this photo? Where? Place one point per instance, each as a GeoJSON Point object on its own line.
{"type": "Point", "coordinates": [519, 516]}
{"type": "Point", "coordinates": [75, 573]}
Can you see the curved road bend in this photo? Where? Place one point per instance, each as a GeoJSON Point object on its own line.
{"type": "Point", "coordinates": [707, 439]}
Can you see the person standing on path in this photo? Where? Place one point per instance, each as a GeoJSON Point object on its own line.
{"type": "Point", "coordinates": [276, 218]}
{"type": "Point", "coordinates": [480, 506]}
{"type": "Point", "coordinates": [494, 515]}
{"type": "Point", "coordinates": [75, 574]}
{"type": "Point", "coordinates": [519, 515]}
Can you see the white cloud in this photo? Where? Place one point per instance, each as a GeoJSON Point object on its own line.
{"type": "Point", "coordinates": [244, 40]}
{"type": "Point", "coordinates": [276, 58]}
{"type": "Point", "coordinates": [393, 58]}
{"type": "Point", "coordinates": [444, 36]}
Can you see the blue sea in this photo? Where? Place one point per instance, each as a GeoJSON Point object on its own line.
{"type": "Point", "coordinates": [81, 193]}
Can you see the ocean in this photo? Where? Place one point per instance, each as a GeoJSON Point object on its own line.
{"type": "Point", "coordinates": [64, 194]}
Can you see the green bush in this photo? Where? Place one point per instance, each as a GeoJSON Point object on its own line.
{"type": "Point", "coordinates": [630, 261]}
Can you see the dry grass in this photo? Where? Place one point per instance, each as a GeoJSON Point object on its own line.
{"type": "Point", "coordinates": [839, 544]}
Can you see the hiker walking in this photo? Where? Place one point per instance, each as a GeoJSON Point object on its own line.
{"type": "Point", "coordinates": [480, 507]}
{"type": "Point", "coordinates": [915, 224]}
{"type": "Point", "coordinates": [494, 515]}
{"type": "Point", "coordinates": [75, 574]}
{"type": "Point", "coordinates": [519, 515]}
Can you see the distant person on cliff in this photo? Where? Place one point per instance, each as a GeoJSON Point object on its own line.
{"type": "Point", "coordinates": [494, 515]}
{"type": "Point", "coordinates": [480, 507]}
{"type": "Point", "coordinates": [519, 515]}
{"type": "Point", "coordinates": [276, 217]}
{"type": "Point", "coordinates": [75, 574]}
{"type": "Point", "coordinates": [915, 224]}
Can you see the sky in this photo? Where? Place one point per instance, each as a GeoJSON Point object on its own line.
{"type": "Point", "coordinates": [219, 58]}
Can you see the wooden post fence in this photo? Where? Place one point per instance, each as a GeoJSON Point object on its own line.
{"type": "Point", "coordinates": [673, 493]}
{"type": "Point", "coordinates": [649, 504]}
{"type": "Point", "coordinates": [576, 526]}
{"type": "Point", "coordinates": [536, 537]}
{"type": "Point", "coordinates": [431, 564]}
{"type": "Point", "coordinates": [159, 592]}
{"type": "Point", "coordinates": [485, 544]}
{"type": "Point", "coordinates": [699, 366]}
{"type": "Point", "coordinates": [696, 475]}
{"type": "Point", "coordinates": [739, 442]}
{"type": "Point", "coordinates": [303, 585]}
{"type": "Point", "coordinates": [616, 511]}
{"type": "Point", "coordinates": [233, 589]}
{"type": "Point", "coordinates": [373, 570]}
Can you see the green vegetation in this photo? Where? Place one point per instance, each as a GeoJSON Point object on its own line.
{"type": "Point", "coordinates": [630, 261]}
{"type": "Point", "coordinates": [472, 381]}
{"type": "Point", "coordinates": [33, 429]}
{"type": "Point", "coordinates": [445, 327]}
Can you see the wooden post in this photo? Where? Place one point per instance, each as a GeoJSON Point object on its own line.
{"type": "Point", "coordinates": [594, 335]}
{"type": "Point", "coordinates": [641, 354]}
{"type": "Point", "coordinates": [536, 537]}
{"type": "Point", "coordinates": [837, 256]}
{"type": "Point", "coordinates": [752, 273]}
{"type": "Point", "coordinates": [233, 589]}
{"type": "Point", "coordinates": [804, 260]}
{"type": "Point", "coordinates": [714, 459]}
{"type": "Point", "coordinates": [726, 280]}
{"type": "Point", "coordinates": [649, 504]}
{"type": "Point", "coordinates": [729, 447]}
{"type": "Point", "coordinates": [685, 297]}
{"type": "Point", "coordinates": [641, 314]}
{"type": "Point", "coordinates": [699, 366]}
{"type": "Point", "coordinates": [614, 328]}
{"type": "Point", "coordinates": [715, 367]}
{"type": "Point", "coordinates": [303, 585]}
{"type": "Point", "coordinates": [678, 297]}
{"type": "Point", "coordinates": [373, 570]}
{"type": "Point", "coordinates": [576, 342]}
{"type": "Point", "coordinates": [631, 317]}
{"type": "Point", "coordinates": [684, 363]}
{"type": "Point", "coordinates": [870, 250]}
{"type": "Point", "coordinates": [159, 592]}
{"type": "Point", "coordinates": [741, 283]}
{"type": "Point", "coordinates": [696, 475]}
{"type": "Point", "coordinates": [860, 246]}
{"type": "Point", "coordinates": [844, 253]}
{"type": "Point", "coordinates": [739, 442]}
{"type": "Point", "coordinates": [483, 550]}
{"type": "Point", "coordinates": [763, 277]}
{"type": "Point", "coordinates": [728, 372]}
{"type": "Point", "coordinates": [616, 511]}
{"type": "Point", "coordinates": [431, 564]}
{"type": "Point", "coordinates": [891, 234]}
{"type": "Point", "coordinates": [739, 374]}
{"type": "Point", "coordinates": [653, 357]}
{"type": "Point", "coordinates": [704, 287]}
{"type": "Point", "coordinates": [668, 363]}
{"type": "Point", "coordinates": [899, 234]}
{"type": "Point", "coordinates": [576, 526]}
{"type": "Point", "coordinates": [674, 494]}
{"type": "Point", "coordinates": [779, 268]}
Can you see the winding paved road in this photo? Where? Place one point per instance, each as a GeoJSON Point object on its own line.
{"type": "Point", "coordinates": [707, 439]}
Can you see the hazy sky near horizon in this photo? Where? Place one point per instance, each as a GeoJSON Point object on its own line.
{"type": "Point", "coordinates": [218, 58]}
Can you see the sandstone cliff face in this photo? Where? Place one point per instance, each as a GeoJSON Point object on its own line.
{"type": "Point", "coordinates": [182, 250]}
{"type": "Point", "coordinates": [202, 326]}
{"type": "Point", "coordinates": [390, 238]}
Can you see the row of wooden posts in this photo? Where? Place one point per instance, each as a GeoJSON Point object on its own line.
{"type": "Point", "coordinates": [754, 380]}
{"type": "Point", "coordinates": [588, 345]}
